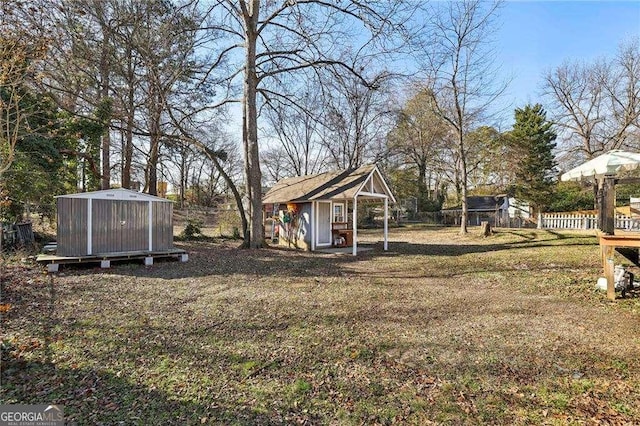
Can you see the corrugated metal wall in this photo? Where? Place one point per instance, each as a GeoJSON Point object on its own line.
{"type": "Point", "coordinates": [119, 226]}
{"type": "Point", "coordinates": [105, 226]}
{"type": "Point", "coordinates": [135, 231]}
{"type": "Point", "coordinates": [162, 226]}
{"type": "Point", "coordinates": [72, 227]}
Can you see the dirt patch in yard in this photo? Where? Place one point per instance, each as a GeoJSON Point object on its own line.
{"type": "Point", "coordinates": [440, 329]}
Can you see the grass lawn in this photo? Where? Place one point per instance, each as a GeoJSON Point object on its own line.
{"type": "Point", "coordinates": [441, 329]}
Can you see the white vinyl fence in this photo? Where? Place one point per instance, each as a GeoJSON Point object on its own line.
{"type": "Point", "coordinates": [584, 221]}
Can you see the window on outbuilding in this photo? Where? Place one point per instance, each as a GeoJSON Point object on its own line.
{"type": "Point", "coordinates": [338, 212]}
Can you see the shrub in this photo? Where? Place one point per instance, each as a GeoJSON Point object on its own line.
{"type": "Point", "coordinates": [571, 196]}
{"type": "Point", "coordinates": [192, 229]}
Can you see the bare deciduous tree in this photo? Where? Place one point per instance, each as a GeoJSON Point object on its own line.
{"type": "Point", "coordinates": [130, 56]}
{"type": "Point", "coordinates": [461, 72]}
{"type": "Point", "coordinates": [597, 105]}
{"type": "Point", "coordinates": [279, 38]}
{"type": "Point", "coordinates": [356, 116]}
{"type": "Point", "coordinates": [274, 160]}
{"type": "Point", "coordinates": [418, 137]}
{"type": "Point", "coordinates": [295, 149]}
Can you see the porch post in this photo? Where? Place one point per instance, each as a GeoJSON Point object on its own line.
{"type": "Point", "coordinates": [386, 222]}
{"type": "Point", "coordinates": [313, 226]}
{"type": "Point", "coordinates": [355, 225]}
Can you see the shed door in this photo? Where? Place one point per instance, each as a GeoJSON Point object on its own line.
{"type": "Point", "coordinates": [134, 226]}
{"type": "Point", "coordinates": [324, 223]}
{"type": "Point", "coordinates": [119, 226]}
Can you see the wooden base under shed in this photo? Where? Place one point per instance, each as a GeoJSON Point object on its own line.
{"type": "Point", "coordinates": [53, 261]}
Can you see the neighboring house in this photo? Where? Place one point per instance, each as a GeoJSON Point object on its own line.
{"type": "Point", "coordinates": [320, 211]}
{"type": "Point", "coordinates": [518, 209]}
{"type": "Point", "coordinates": [499, 210]}
{"type": "Point", "coordinates": [634, 207]}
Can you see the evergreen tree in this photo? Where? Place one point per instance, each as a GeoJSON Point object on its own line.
{"type": "Point", "coordinates": [533, 139]}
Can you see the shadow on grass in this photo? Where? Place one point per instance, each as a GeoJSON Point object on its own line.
{"type": "Point", "coordinates": [97, 388]}
{"type": "Point", "coordinates": [263, 343]}
{"type": "Point", "coordinates": [100, 396]}
{"type": "Point", "coordinates": [405, 248]}
{"type": "Point", "coordinates": [91, 396]}
{"type": "Point", "coordinates": [208, 258]}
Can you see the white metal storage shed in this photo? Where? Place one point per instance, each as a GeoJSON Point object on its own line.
{"type": "Point", "coordinates": [113, 221]}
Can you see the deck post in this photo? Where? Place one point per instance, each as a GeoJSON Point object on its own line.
{"type": "Point", "coordinates": [313, 226]}
{"type": "Point", "coordinates": [608, 205]}
{"type": "Point", "coordinates": [607, 257]}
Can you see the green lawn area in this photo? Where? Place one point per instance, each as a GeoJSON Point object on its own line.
{"type": "Point", "coordinates": [441, 329]}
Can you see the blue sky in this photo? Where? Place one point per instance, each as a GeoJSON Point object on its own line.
{"type": "Point", "coordinates": [536, 36]}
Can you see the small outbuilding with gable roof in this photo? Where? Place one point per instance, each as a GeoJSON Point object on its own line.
{"type": "Point", "coordinates": [312, 211]}
{"type": "Point", "coordinates": [113, 221]}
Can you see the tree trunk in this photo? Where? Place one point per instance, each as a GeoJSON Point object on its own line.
{"type": "Point", "coordinates": [463, 178]}
{"type": "Point", "coordinates": [152, 184]}
{"type": "Point", "coordinates": [154, 130]}
{"type": "Point", "coordinates": [485, 229]}
{"type": "Point", "coordinates": [236, 195]}
{"type": "Point", "coordinates": [128, 148]}
{"type": "Point", "coordinates": [458, 183]}
{"type": "Point", "coordinates": [105, 142]}
{"type": "Point", "coordinates": [253, 175]}
{"type": "Point", "coordinates": [423, 194]}
{"type": "Point", "coordinates": [128, 153]}
{"type": "Point", "coordinates": [183, 178]}
{"type": "Point", "coordinates": [106, 164]}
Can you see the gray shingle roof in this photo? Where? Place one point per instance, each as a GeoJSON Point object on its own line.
{"type": "Point", "coordinates": [338, 185]}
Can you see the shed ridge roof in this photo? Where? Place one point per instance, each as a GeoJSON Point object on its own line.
{"type": "Point", "coordinates": [344, 184]}
{"type": "Point", "coordinates": [332, 179]}
{"type": "Point", "coordinates": [116, 194]}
